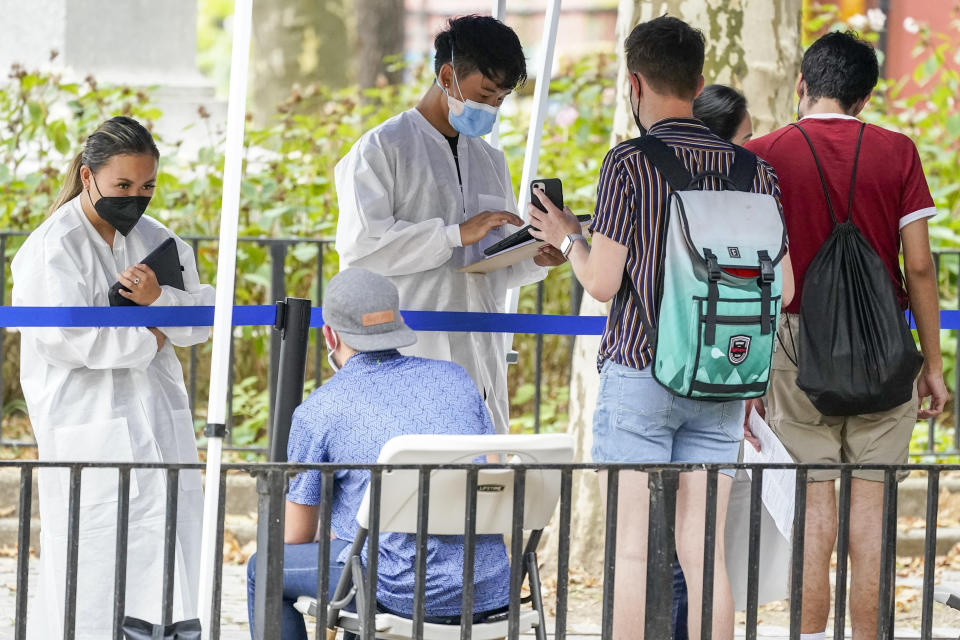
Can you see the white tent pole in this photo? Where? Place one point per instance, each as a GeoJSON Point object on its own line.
{"type": "Point", "coordinates": [499, 12]}
{"type": "Point", "coordinates": [223, 315]}
{"type": "Point", "coordinates": [535, 134]}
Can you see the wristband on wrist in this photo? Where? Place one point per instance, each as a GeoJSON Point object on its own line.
{"type": "Point", "coordinates": [567, 245]}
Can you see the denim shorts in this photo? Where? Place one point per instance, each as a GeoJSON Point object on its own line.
{"type": "Point", "coordinates": [639, 421]}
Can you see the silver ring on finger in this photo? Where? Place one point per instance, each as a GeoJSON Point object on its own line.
{"type": "Point", "coordinates": [136, 281]}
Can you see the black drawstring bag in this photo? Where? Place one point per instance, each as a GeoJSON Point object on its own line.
{"type": "Point", "coordinates": [136, 629]}
{"type": "Point", "coordinates": [856, 354]}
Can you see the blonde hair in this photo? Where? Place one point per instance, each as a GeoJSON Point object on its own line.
{"type": "Point", "coordinates": [115, 137]}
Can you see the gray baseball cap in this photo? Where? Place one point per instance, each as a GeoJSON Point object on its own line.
{"type": "Point", "coordinates": [364, 308]}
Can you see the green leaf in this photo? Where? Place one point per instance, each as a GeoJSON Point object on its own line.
{"type": "Point", "coordinates": [36, 112]}
{"type": "Point", "coordinates": [57, 133]}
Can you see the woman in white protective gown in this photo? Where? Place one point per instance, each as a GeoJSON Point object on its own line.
{"type": "Point", "coordinates": [109, 394]}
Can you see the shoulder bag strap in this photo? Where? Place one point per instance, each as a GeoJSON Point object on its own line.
{"type": "Point", "coordinates": [853, 176]}
{"type": "Point", "coordinates": [665, 160]}
{"type": "Point", "coordinates": [677, 176]}
{"type": "Point", "coordinates": [744, 169]}
{"type": "Point", "coordinates": [823, 181]}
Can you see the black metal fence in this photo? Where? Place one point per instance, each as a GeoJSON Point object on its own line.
{"type": "Point", "coordinates": [946, 262]}
{"type": "Point", "coordinates": [662, 480]}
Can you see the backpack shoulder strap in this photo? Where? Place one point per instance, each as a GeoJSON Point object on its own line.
{"type": "Point", "coordinates": [665, 160]}
{"type": "Point", "coordinates": [823, 180]}
{"type": "Point", "coordinates": [677, 176]}
{"type": "Point", "coordinates": [744, 169]}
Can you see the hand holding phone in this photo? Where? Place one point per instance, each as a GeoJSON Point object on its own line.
{"type": "Point", "coordinates": [553, 189]}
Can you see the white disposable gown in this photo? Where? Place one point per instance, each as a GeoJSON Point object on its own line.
{"type": "Point", "coordinates": [107, 394]}
{"type": "Point", "coordinates": [400, 206]}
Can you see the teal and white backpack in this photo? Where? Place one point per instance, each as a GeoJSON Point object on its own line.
{"type": "Point", "coordinates": [718, 281]}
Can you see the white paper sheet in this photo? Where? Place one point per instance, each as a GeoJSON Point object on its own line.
{"type": "Point", "coordinates": [779, 487]}
{"type": "Point", "coordinates": [773, 579]}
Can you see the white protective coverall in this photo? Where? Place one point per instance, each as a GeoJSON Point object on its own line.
{"type": "Point", "coordinates": [400, 206]}
{"type": "Point", "coordinates": [107, 394]}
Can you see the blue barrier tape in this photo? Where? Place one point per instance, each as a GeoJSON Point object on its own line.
{"type": "Point", "coordinates": [254, 315]}
{"type": "Point", "coordinates": [251, 315]}
{"type": "Point", "coordinates": [260, 315]}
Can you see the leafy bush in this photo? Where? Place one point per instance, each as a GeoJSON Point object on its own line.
{"type": "Point", "coordinates": [288, 191]}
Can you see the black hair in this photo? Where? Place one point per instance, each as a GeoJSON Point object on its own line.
{"type": "Point", "coordinates": [117, 136]}
{"type": "Point", "coordinates": [840, 66]}
{"type": "Point", "coordinates": [721, 108]}
{"type": "Point", "coordinates": [484, 44]}
{"type": "Point", "coordinates": [669, 54]}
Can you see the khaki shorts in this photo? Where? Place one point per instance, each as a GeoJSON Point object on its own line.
{"type": "Point", "coordinates": [813, 438]}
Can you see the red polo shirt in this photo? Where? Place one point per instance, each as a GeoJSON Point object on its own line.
{"type": "Point", "coordinates": [891, 190]}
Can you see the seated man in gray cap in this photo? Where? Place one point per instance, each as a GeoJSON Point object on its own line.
{"type": "Point", "coordinates": [375, 395]}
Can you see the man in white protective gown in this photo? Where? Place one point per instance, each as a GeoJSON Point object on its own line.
{"type": "Point", "coordinates": [110, 394]}
{"type": "Point", "coordinates": [423, 194]}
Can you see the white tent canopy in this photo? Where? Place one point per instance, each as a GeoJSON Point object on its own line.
{"type": "Point", "coordinates": [227, 257]}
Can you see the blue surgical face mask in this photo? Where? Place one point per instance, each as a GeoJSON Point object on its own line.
{"type": "Point", "coordinates": [472, 119]}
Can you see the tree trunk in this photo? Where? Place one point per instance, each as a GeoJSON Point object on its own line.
{"type": "Point", "coordinates": [296, 42]}
{"type": "Point", "coordinates": [380, 33]}
{"type": "Point", "coordinates": [753, 45]}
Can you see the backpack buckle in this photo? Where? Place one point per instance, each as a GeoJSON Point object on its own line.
{"type": "Point", "coordinates": [714, 272]}
{"type": "Point", "coordinates": [767, 274]}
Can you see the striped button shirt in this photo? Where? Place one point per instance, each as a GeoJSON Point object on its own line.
{"type": "Point", "coordinates": [632, 201]}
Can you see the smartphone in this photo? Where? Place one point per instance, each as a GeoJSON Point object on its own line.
{"type": "Point", "coordinates": [550, 186]}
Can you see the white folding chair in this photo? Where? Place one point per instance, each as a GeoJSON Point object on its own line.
{"type": "Point", "coordinates": [447, 516]}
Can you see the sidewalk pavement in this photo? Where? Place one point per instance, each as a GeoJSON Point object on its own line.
{"type": "Point", "coordinates": [234, 610]}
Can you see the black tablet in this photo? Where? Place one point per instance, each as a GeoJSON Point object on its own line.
{"type": "Point", "coordinates": [520, 237]}
{"type": "Point", "coordinates": [165, 262]}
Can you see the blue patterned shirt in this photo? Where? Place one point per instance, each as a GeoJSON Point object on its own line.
{"type": "Point", "coordinates": [373, 398]}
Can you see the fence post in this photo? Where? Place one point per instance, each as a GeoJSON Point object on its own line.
{"type": "Point", "coordinates": [293, 325]}
{"type": "Point", "coordinates": [271, 487]}
{"type": "Point", "coordinates": [661, 551]}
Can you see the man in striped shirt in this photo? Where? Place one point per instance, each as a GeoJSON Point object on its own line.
{"type": "Point", "coordinates": [636, 419]}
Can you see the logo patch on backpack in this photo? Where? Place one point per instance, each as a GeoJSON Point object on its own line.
{"type": "Point", "coordinates": [739, 349]}
{"type": "Point", "coordinates": [734, 252]}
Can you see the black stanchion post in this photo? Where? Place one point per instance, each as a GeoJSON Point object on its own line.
{"type": "Point", "coordinates": [278, 291]}
{"type": "Point", "coordinates": [293, 325]}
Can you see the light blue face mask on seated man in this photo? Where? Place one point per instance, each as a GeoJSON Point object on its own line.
{"type": "Point", "coordinates": [471, 118]}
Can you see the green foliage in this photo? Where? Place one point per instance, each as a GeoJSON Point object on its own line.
{"type": "Point", "coordinates": [214, 42]}
{"type": "Point", "coordinates": [924, 107]}
{"type": "Point", "coordinates": [288, 191]}
{"type": "Point", "coordinates": [45, 120]}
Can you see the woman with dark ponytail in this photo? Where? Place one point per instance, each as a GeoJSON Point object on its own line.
{"type": "Point", "coordinates": [724, 111]}
{"type": "Point", "coordinates": [111, 394]}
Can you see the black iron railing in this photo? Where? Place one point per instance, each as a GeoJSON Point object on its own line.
{"type": "Point", "coordinates": [279, 249]}
{"type": "Point", "coordinates": [662, 482]}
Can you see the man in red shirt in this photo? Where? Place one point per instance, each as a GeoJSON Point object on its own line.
{"type": "Point", "coordinates": [891, 206]}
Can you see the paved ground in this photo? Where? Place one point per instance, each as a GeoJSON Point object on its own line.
{"type": "Point", "coordinates": [584, 607]}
